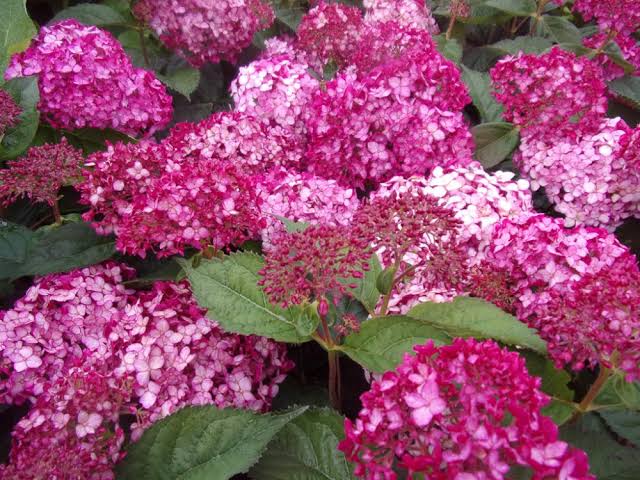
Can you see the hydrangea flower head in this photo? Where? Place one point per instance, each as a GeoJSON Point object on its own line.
{"type": "Point", "coordinates": [622, 16]}
{"type": "Point", "coordinates": [629, 47]}
{"type": "Point", "coordinates": [9, 112]}
{"type": "Point", "coordinates": [408, 13]}
{"type": "Point", "coordinates": [206, 30]}
{"type": "Point", "coordinates": [555, 91]}
{"type": "Point", "coordinates": [40, 173]}
{"type": "Point", "coordinates": [87, 80]}
{"type": "Point", "coordinates": [469, 410]}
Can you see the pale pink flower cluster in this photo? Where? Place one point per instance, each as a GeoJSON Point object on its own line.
{"type": "Point", "coordinates": [302, 197]}
{"type": "Point", "coordinates": [578, 287]}
{"type": "Point", "coordinates": [87, 80]}
{"type": "Point", "coordinates": [154, 197]}
{"type": "Point", "coordinates": [78, 340]}
{"type": "Point", "coordinates": [621, 16]}
{"type": "Point", "coordinates": [465, 411]}
{"type": "Point", "coordinates": [206, 30]}
{"type": "Point", "coordinates": [408, 13]}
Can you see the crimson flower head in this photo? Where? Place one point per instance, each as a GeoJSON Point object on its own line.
{"type": "Point", "coordinates": [308, 265]}
{"type": "Point", "coordinates": [40, 173]}
{"type": "Point", "coordinates": [465, 411]}
{"type": "Point", "coordinates": [9, 112]}
{"type": "Point", "coordinates": [622, 16]}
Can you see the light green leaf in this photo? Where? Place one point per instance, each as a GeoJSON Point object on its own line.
{"type": "Point", "coordinates": [627, 89]}
{"type": "Point", "coordinates": [50, 249]}
{"type": "Point", "coordinates": [292, 226]}
{"type": "Point", "coordinates": [382, 341]}
{"type": "Point", "coordinates": [451, 48]}
{"type": "Point", "coordinates": [202, 443]}
{"type": "Point", "coordinates": [91, 14]}
{"type": "Point", "coordinates": [366, 291]}
{"type": "Point", "coordinates": [559, 29]}
{"type": "Point", "coordinates": [519, 8]}
{"type": "Point", "coordinates": [25, 93]}
{"type": "Point", "coordinates": [618, 393]}
{"type": "Point", "coordinates": [306, 449]}
{"type": "Point", "coordinates": [479, 85]}
{"type": "Point", "coordinates": [228, 289]}
{"type": "Point", "coordinates": [494, 142]}
{"type": "Point", "coordinates": [473, 317]}
{"type": "Point", "coordinates": [16, 31]}
{"type": "Point", "coordinates": [183, 80]}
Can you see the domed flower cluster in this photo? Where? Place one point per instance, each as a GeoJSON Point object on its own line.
{"type": "Point", "coordinates": [85, 349]}
{"type": "Point", "coordinates": [464, 411]}
{"type": "Point", "coordinates": [301, 197]}
{"type": "Point", "coordinates": [629, 47]}
{"type": "Point", "coordinates": [87, 80]}
{"type": "Point", "coordinates": [9, 112]}
{"type": "Point", "coordinates": [206, 30]}
{"type": "Point", "coordinates": [578, 287]}
{"type": "Point", "coordinates": [555, 92]}
{"type": "Point", "coordinates": [153, 197]}
{"type": "Point", "coordinates": [621, 16]}
{"type": "Point", "coordinates": [408, 13]}
{"type": "Point", "coordinates": [40, 173]}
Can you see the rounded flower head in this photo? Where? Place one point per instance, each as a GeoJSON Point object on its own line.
{"type": "Point", "coordinates": [304, 198]}
{"type": "Point", "coordinates": [408, 13]}
{"type": "Point", "coordinates": [154, 197]}
{"type": "Point", "coordinates": [555, 91]}
{"type": "Point", "coordinates": [41, 173]}
{"type": "Point", "coordinates": [330, 31]}
{"type": "Point", "coordinates": [9, 112]}
{"type": "Point", "coordinates": [464, 411]}
{"type": "Point", "coordinates": [590, 177]}
{"type": "Point", "coordinates": [87, 80]}
{"type": "Point", "coordinates": [622, 16]}
{"type": "Point", "coordinates": [206, 30]}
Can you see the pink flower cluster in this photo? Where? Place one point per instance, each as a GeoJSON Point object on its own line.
{"type": "Point", "coordinates": [621, 16]}
{"type": "Point", "coordinates": [40, 173]}
{"type": "Point", "coordinates": [154, 197]}
{"type": "Point", "coordinates": [465, 411]}
{"type": "Point", "coordinates": [301, 197]}
{"type": "Point", "coordinates": [629, 47]}
{"type": "Point", "coordinates": [206, 30]}
{"type": "Point", "coordinates": [87, 80]}
{"type": "Point", "coordinates": [578, 287]}
{"type": "Point", "coordinates": [85, 349]}
{"type": "Point", "coordinates": [9, 112]}
{"type": "Point", "coordinates": [408, 13]}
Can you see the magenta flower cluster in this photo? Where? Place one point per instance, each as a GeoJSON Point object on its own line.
{"type": "Point", "coordinates": [9, 112]}
{"type": "Point", "coordinates": [87, 80]}
{"type": "Point", "coordinates": [465, 411]}
{"type": "Point", "coordinates": [206, 30]}
{"type": "Point", "coordinates": [86, 349]}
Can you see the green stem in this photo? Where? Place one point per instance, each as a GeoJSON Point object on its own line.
{"type": "Point", "coordinates": [452, 22]}
{"type": "Point", "coordinates": [538, 15]}
{"type": "Point", "coordinates": [595, 389]}
{"type": "Point", "coordinates": [610, 36]}
{"type": "Point", "coordinates": [143, 47]}
{"type": "Point", "coordinates": [335, 393]}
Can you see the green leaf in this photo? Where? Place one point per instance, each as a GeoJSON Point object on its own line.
{"type": "Point", "coordinates": [382, 341]}
{"type": "Point", "coordinates": [479, 85]}
{"type": "Point", "coordinates": [183, 80]}
{"type": "Point", "coordinates": [293, 392]}
{"type": "Point", "coordinates": [306, 449]}
{"type": "Point", "coordinates": [228, 289]}
{"type": "Point", "coordinates": [50, 249]}
{"type": "Point", "coordinates": [618, 393]}
{"type": "Point", "coordinates": [451, 48]}
{"type": "Point", "coordinates": [92, 140]}
{"type": "Point", "coordinates": [494, 142]}
{"type": "Point", "coordinates": [292, 226]}
{"type": "Point", "coordinates": [628, 89]}
{"type": "Point", "coordinates": [473, 317]}
{"type": "Point", "coordinates": [91, 14]}
{"type": "Point", "coordinates": [16, 31]}
{"type": "Point", "coordinates": [202, 443]}
{"type": "Point", "coordinates": [366, 291]}
{"type": "Point", "coordinates": [25, 93]}
{"type": "Point", "coordinates": [608, 459]}
{"type": "Point", "coordinates": [624, 423]}
{"type": "Point", "coordinates": [289, 15]}
{"type": "Point", "coordinates": [518, 8]}
{"type": "Point", "coordinates": [483, 58]}
{"type": "Point", "coordinates": [559, 29]}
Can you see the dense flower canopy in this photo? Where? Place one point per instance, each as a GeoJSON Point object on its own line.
{"type": "Point", "coordinates": [9, 112]}
{"type": "Point", "coordinates": [87, 80]}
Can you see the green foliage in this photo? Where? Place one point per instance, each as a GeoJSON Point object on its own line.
{"type": "Point", "coordinates": [306, 449]}
{"type": "Point", "coordinates": [519, 8]}
{"type": "Point", "coordinates": [183, 80]}
{"type": "Point", "coordinates": [624, 423]}
{"type": "Point", "coordinates": [50, 249]}
{"type": "Point", "coordinates": [494, 142]}
{"type": "Point", "coordinates": [473, 317]}
{"type": "Point", "coordinates": [449, 48]}
{"type": "Point", "coordinates": [382, 341]}
{"type": "Point", "coordinates": [617, 393]}
{"type": "Point", "coordinates": [228, 289]}
{"type": "Point", "coordinates": [366, 291]}
{"type": "Point", "coordinates": [91, 14]}
{"type": "Point", "coordinates": [479, 85]}
{"type": "Point", "coordinates": [16, 140]}
{"type": "Point", "coordinates": [16, 31]}
{"type": "Point", "coordinates": [559, 29]}
{"type": "Point", "coordinates": [483, 58]}
{"type": "Point", "coordinates": [627, 89]}
{"type": "Point", "coordinates": [203, 443]}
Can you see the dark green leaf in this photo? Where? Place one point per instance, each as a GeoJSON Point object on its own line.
{"type": "Point", "coordinates": [228, 289]}
{"type": "Point", "coordinates": [451, 48]}
{"type": "Point", "coordinates": [473, 317]}
{"type": "Point", "coordinates": [521, 8]}
{"type": "Point", "coordinates": [92, 140]}
{"type": "Point", "coordinates": [483, 58]}
{"type": "Point", "coordinates": [16, 140]}
{"type": "Point", "coordinates": [559, 29]}
{"type": "Point", "coordinates": [16, 31]}
{"type": "Point", "coordinates": [202, 443]}
{"type": "Point", "coordinates": [183, 80]}
{"type": "Point", "coordinates": [24, 252]}
{"type": "Point", "coordinates": [366, 291]}
{"type": "Point", "coordinates": [288, 14]}
{"type": "Point", "coordinates": [627, 88]}
{"type": "Point", "coordinates": [618, 393]}
{"type": "Point", "coordinates": [494, 142]}
{"type": "Point", "coordinates": [306, 449]}
{"type": "Point", "coordinates": [479, 85]}
{"type": "Point", "coordinates": [382, 341]}
{"type": "Point", "coordinates": [91, 14]}
{"type": "Point", "coordinates": [292, 392]}
{"type": "Point", "coordinates": [625, 423]}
